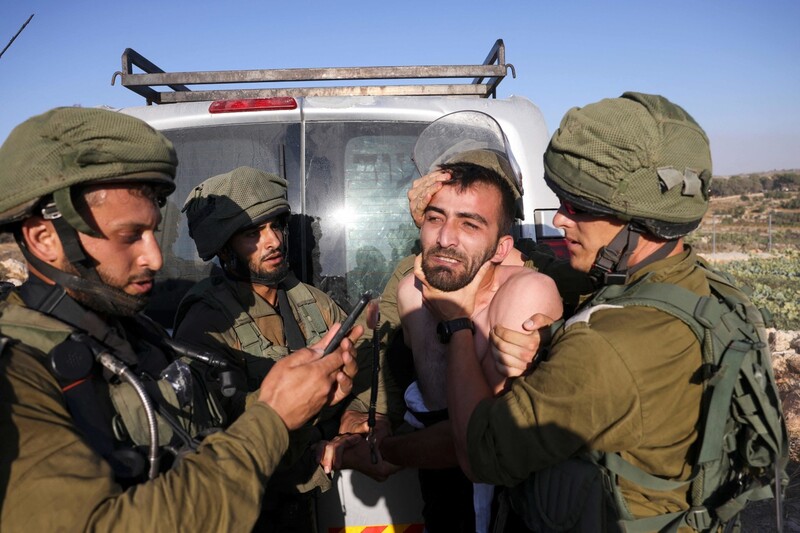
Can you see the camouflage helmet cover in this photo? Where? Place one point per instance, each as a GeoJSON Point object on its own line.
{"type": "Point", "coordinates": [493, 160]}
{"type": "Point", "coordinates": [638, 157]}
{"type": "Point", "coordinates": [69, 146]}
{"type": "Point", "coordinates": [498, 162]}
{"type": "Point", "coordinates": [227, 203]}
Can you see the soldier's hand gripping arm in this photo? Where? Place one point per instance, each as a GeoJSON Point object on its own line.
{"type": "Point", "coordinates": [513, 352]}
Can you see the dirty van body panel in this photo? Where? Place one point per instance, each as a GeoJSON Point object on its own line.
{"type": "Point", "coordinates": [347, 161]}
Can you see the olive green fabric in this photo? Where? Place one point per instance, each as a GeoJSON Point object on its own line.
{"type": "Point", "coordinates": [204, 322]}
{"type": "Point", "coordinates": [227, 203]}
{"type": "Point", "coordinates": [604, 386]}
{"type": "Point", "coordinates": [222, 294]}
{"type": "Point", "coordinates": [390, 389]}
{"type": "Point", "coordinates": [739, 380]}
{"type": "Point", "coordinates": [129, 407]}
{"type": "Point", "coordinates": [493, 161]}
{"type": "Point", "coordinates": [51, 480]}
{"type": "Point", "coordinates": [29, 327]}
{"type": "Point", "coordinates": [498, 162]}
{"type": "Point", "coordinates": [638, 157]}
{"type": "Point", "coordinates": [69, 146]}
{"type": "Point", "coordinates": [207, 325]}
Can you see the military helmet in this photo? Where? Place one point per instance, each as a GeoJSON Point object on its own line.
{"type": "Point", "coordinates": [56, 151]}
{"type": "Point", "coordinates": [469, 137]}
{"type": "Point", "coordinates": [227, 203]}
{"type": "Point", "coordinates": [493, 160]}
{"type": "Point", "coordinates": [638, 157]}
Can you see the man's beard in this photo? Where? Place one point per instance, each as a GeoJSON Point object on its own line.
{"type": "Point", "coordinates": [255, 273]}
{"type": "Point", "coordinates": [106, 297]}
{"type": "Point", "coordinates": [446, 279]}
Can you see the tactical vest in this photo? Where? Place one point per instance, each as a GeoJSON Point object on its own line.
{"type": "Point", "coordinates": [299, 471]}
{"type": "Point", "coordinates": [217, 294]}
{"type": "Point", "coordinates": [107, 411]}
{"type": "Point", "coordinates": [742, 447]}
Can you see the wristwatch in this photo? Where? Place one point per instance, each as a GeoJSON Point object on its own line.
{"type": "Point", "coordinates": [446, 328]}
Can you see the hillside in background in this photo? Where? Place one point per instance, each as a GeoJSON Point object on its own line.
{"type": "Point", "coordinates": [751, 213]}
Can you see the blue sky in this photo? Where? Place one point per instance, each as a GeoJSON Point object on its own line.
{"type": "Point", "coordinates": [734, 65]}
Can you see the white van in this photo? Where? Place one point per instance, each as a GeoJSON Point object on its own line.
{"type": "Point", "coordinates": [346, 153]}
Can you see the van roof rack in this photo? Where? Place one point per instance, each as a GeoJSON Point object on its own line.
{"type": "Point", "coordinates": [486, 78]}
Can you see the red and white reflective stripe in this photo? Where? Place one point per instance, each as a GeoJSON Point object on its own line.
{"type": "Point", "coordinates": [390, 528]}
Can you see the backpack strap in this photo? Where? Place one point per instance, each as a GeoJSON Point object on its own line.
{"type": "Point", "coordinates": [714, 320]}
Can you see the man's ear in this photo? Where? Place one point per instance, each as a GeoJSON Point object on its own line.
{"type": "Point", "coordinates": [224, 256]}
{"type": "Point", "coordinates": [41, 239]}
{"type": "Point", "coordinates": [504, 247]}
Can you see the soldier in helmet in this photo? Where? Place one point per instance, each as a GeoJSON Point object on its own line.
{"type": "Point", "coordinates": [101, 423]}
{"type": "Point", "coordinates": [632, 174]}
{"type": "Point", "coordinates": [255, 312]}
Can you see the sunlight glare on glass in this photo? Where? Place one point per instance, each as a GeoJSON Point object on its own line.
{"type": "Point", "coordinates": [345, 216]}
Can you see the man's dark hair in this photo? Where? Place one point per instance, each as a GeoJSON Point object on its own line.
{"type": "Point", "coordinates": [464, 175]}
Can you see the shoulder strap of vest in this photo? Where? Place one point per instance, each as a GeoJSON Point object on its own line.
{"type": "Point", "coordinates": [30, 327]}
{"type": "Point", "coordinates": [305, 305]}
{"type": "Point", "coordinates": [244, 327]}
{"type": "Point", "coordinates": [728, 327]}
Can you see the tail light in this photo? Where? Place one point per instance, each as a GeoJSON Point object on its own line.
{"type": "Point", "coordinates": [253, 104]}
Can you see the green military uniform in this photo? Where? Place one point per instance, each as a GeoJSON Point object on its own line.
{"type": "Point", "coordinates": [88, 385]}
{"type": "Point", "coordinates": [53, 480]}
{"type": "Point", "coordinates": [628, 422]}
{"type": "Point", "coordinates": [212, 312]}
{"type": "Point", "coordinates": [204, 319]}
{"type": "Point", "coordinates": [225, 315]}
{"type": "Point", "coordinates": [616, 380]}
{"type": "Point", "coordinates": [390, 396]}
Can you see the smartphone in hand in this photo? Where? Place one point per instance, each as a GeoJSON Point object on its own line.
{"type": "Point", "coordinates": [349, 322]}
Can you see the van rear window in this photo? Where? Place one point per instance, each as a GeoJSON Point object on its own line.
{"type": "Point", "coordinates": [350, 222]}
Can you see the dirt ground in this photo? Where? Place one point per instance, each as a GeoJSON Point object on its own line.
{"type": "Point", "coordinates": [762, 516]}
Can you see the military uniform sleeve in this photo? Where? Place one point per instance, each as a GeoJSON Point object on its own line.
{"type": "Point", "coordinates": [582, 396]}
{"type": "Point", "coordinates": [50, 480]}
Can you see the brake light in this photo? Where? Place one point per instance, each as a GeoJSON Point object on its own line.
{"type": "Point", "coordinates": [253, 104]}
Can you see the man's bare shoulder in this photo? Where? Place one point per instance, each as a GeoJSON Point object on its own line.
{"type": "Point", "coordinates": [522, 277]}
{"type": "Point", "coordinates": [523, 293]}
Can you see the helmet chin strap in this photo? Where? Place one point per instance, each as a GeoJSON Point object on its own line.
{"type": "Point", "coordinates": [611, 265]}
{"type": "Point", "coordinates": [102, 297]}
{"type": "Point", "coordinates": [106, 300]}
{"type": "Point", "coordinates": [70, 243]}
